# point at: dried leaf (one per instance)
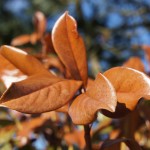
(40, 23)
(89, 83)
(20, 59)
(28, 126)
(70, 47)
(54, 62)
(64, 108)
(130, 85)
(76, 137)
(24, 129)
(39, 94)
(101, 95)
(21, 40)
(9, 73)
(47, 45)
(135, 63)
(34, 38)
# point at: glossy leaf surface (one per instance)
(70, 47)
(21, 60)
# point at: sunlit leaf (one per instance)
(9, 73)
(70, 47)
(101, 95)
(135, 63)
(40, 23)
(39, 93)
(21, 60)
(90, 83)
(21, 40)
(130, 85)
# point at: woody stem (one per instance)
(87, 137)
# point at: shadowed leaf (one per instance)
(54, 62)
(108, 145)
(39, 93)
(20, 59)
(70, 47)
(47, 45)
(101, 95)
(130, 85)
(64, 108)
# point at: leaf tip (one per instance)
(6, 49)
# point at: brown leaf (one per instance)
(40, 23)
(130, 85)
(39, 93)
(21, 40)
(20, 59)
(47, 45)
(34, 38)
(135, 63)
(9, 73)
(101, 95)
(64, 108)
(70, 47)
(28, 126)
(76, 137)
(89, 83)
(54, 62)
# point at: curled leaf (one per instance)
(101, 95)
(70, 47)
(130, 86)
(39, 93)
(20, 59)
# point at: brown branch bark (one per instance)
(87, 137)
